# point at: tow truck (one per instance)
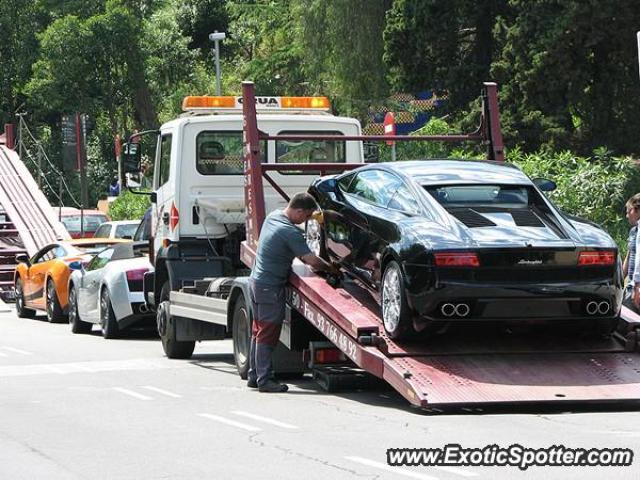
(340, 324)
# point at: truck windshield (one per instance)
(220, 153)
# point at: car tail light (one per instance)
(453, 259)
(601, 257)
(138, 274)
(174, 217)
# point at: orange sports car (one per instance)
(41, 282)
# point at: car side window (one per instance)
(43, 256)
(103, 231)
(100, 260)
(59, 252)
(404, 201)
(345, 181)
(375, 186)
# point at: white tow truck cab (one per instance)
(198, 218)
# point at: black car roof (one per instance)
(438, 172)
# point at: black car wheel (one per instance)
(396, 315)
(314, 234)
(54, 310)
(108, 320)
(77, 325)
(21, 310)
(241, 337)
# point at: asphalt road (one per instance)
(81, 407)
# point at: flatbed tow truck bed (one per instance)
(471, 366)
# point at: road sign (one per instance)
(389, 126)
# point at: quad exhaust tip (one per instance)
(459, 310)
(601, 308)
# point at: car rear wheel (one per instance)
(54, 310)
(108, 320)
(241, 337)
(396, 315)
(21, 310)
(77, 325)
(172, 347)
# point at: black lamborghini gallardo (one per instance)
(449, 240)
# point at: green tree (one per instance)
(568, 71)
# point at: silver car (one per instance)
(108, 290)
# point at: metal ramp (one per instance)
(27, 220)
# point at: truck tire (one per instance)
(21, 310)
(241, 331)
(167, 329)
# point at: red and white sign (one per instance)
(389, 126)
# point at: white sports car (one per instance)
(108, 291)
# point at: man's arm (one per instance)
(318, 263)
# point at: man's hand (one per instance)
(318, 264)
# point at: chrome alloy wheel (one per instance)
(73, 308)
(313, 234)
(391, 300)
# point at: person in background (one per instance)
(114, 187)
(631, 265)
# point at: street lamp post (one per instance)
(216, 37)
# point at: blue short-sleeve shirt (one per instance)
(280, 242)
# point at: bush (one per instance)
(129, 206)
(595, 188)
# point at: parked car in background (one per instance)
(445, 240)
(91, 220)
(118, 229)
(108, 290)
(41, 281)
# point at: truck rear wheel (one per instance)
(172, 347)
(241, 336)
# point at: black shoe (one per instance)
(273, 387)
(252, 383)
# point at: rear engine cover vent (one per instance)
(526, 218)
(471, 218)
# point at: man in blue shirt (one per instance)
(631, 265)
(281, 241)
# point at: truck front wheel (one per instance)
(172, 347)
(241, 336)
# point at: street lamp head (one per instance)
(217, 36)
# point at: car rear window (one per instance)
(126, 230)
(91, 222)
(501, 196)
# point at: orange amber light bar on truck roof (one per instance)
(262, 103)
(193, 102)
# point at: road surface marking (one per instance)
(457, 471)
(233, 423)
(264, 419)
(389, 468)
(93, 366)
(163, 392)
(132, 393)
(17, 350)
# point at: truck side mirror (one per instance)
(131, 157)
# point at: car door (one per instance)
(366, 219)
(89, 290)
(34, 285)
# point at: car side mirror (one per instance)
(77, 265)
(545, 184)
(22, 258)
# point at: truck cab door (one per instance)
(163, 225)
